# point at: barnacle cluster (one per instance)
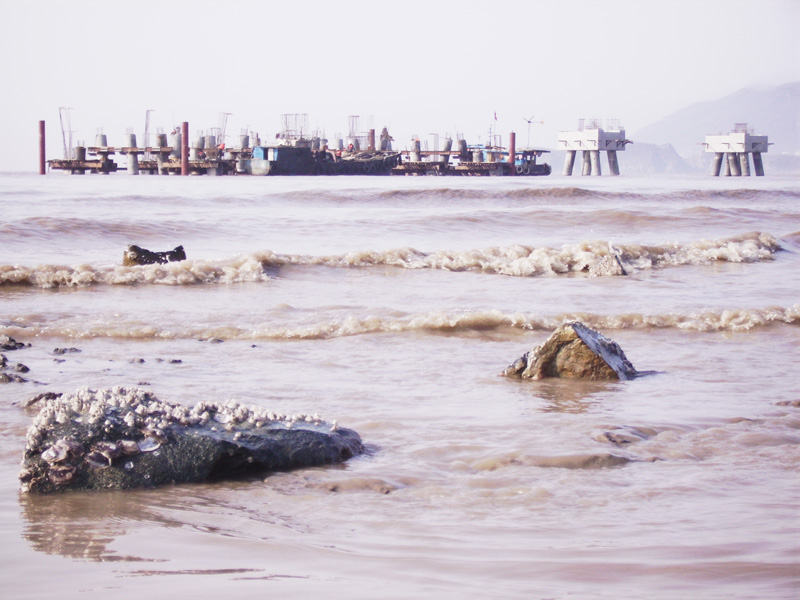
(92, 429)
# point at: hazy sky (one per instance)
(418, 67)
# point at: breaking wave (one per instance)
(593, 258)
(530, 261)
(188, 272)
(463, 323)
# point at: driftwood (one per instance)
(136, 255)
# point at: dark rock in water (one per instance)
(9, 343)
(574, 351)
(127, 438)
(10, 377)
(136, 255)
(62, 351)
(624, 436)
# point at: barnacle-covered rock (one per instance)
(127, 438)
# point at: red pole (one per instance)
(42, 162)
(512, 150)
(185, 148)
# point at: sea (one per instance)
(392, 305)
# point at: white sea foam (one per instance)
(188, 272)
(530, 261)
(516, 260)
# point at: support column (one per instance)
(613, 163)
(448, 146)
(716, 167)
(758, 165)
(42, 161)
(587, 164)
(464, 151)
(161, 142)
(185, 148)
(512, 151)
(727, 170)
(733, 163)
(595, 158)
(569, 163)
(133, 157)
(371, 141)
(744, 163)
(415, 155)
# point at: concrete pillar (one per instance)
(744, 163)
(613, 163)
(197, 145)
(416, 152)
(42, 161)
(569, 163)
(733, 163)
(177, 144)
(587, 164)
(185, 148)
(727, 170)
(477, 155)
(717, 165)
(595, 158)
(758, 165)
(371, 141)
(464, 151)
(512, 151)
(448, 145)
(133, 157)
(161, 142)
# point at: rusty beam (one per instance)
(42, 161)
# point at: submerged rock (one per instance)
(11, 377)
(608, 266)
(9, 343)
(127, 438)
(574, 351)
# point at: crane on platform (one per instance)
(63, 115)
(529, 121)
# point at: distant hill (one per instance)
(772, 111)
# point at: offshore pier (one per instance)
(591, 139)
(297, 151)
(739, 145)
(294, 152)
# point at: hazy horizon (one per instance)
(419, 68)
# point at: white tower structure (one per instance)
(592, 139)
(738, 145)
